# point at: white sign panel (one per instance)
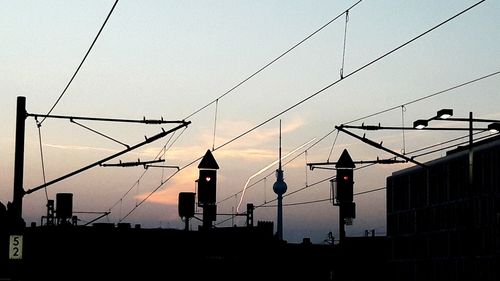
(16, 247)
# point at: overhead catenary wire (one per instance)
(345, 39)
(272, 61)
(333, 145)
(215, 122)
(284, 164)
(266, 203)
(427, 97)
(99, 133)
(441, 143)
(81, 63)
(39, 125)
(368, 165)
(348, 75)
(378, 113)
(265, 177)
(450, 146)
(324, 200)
(449, 89)
(322, 90)
(403, 110)
(164, 148)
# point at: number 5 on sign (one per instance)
(16, 247)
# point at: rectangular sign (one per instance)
(16, 247)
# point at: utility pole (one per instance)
(471, 155)
(17, 202)
(15, 209)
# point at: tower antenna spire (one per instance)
(279, 165)
(279, 187)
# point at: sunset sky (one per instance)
(171, 58)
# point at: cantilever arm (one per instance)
(379, 146)
(148, 140)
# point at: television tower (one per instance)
(279, 187)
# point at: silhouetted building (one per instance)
(441, 225)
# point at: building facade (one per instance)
(443, 222)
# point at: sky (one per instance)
(170, 59)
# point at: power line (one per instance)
(323, 200)
(369, 191)
(263, 178)
(348, 75)
(81, 63)
(287, 162)
(266, 204)
(371, 115)
(426, 97)
(441, 143)
(38, 125)
(450, 146)
(257, 72)
(310, 96)
(345, 39)
(273, 61)
(299, 203)
(163, 150)
(408, 103)
(368, 165)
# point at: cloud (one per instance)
(168, 195)
(228, 130)
(79, 147)
(184, 181)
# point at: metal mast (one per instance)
(279, 187)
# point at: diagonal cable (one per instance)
(81, 63)
(311, 96)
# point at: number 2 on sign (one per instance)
(16, 247)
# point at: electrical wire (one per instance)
(450, 146)
(372, 190)
(215, 122)
(263, 204)
(39, 125)
(384, 111)
(426, 97)
(81, 63)
(441, 143)
(264, 178)
(162, 152)
(266, 203)
(298, 203)
(323, 200)
(348, 75)
(368, 165)
(272, 61)
(333, 145)
(305, 166)
(345, 39)
(413, 39)
(403, 110)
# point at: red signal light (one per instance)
(345, 178)
(207, 179)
